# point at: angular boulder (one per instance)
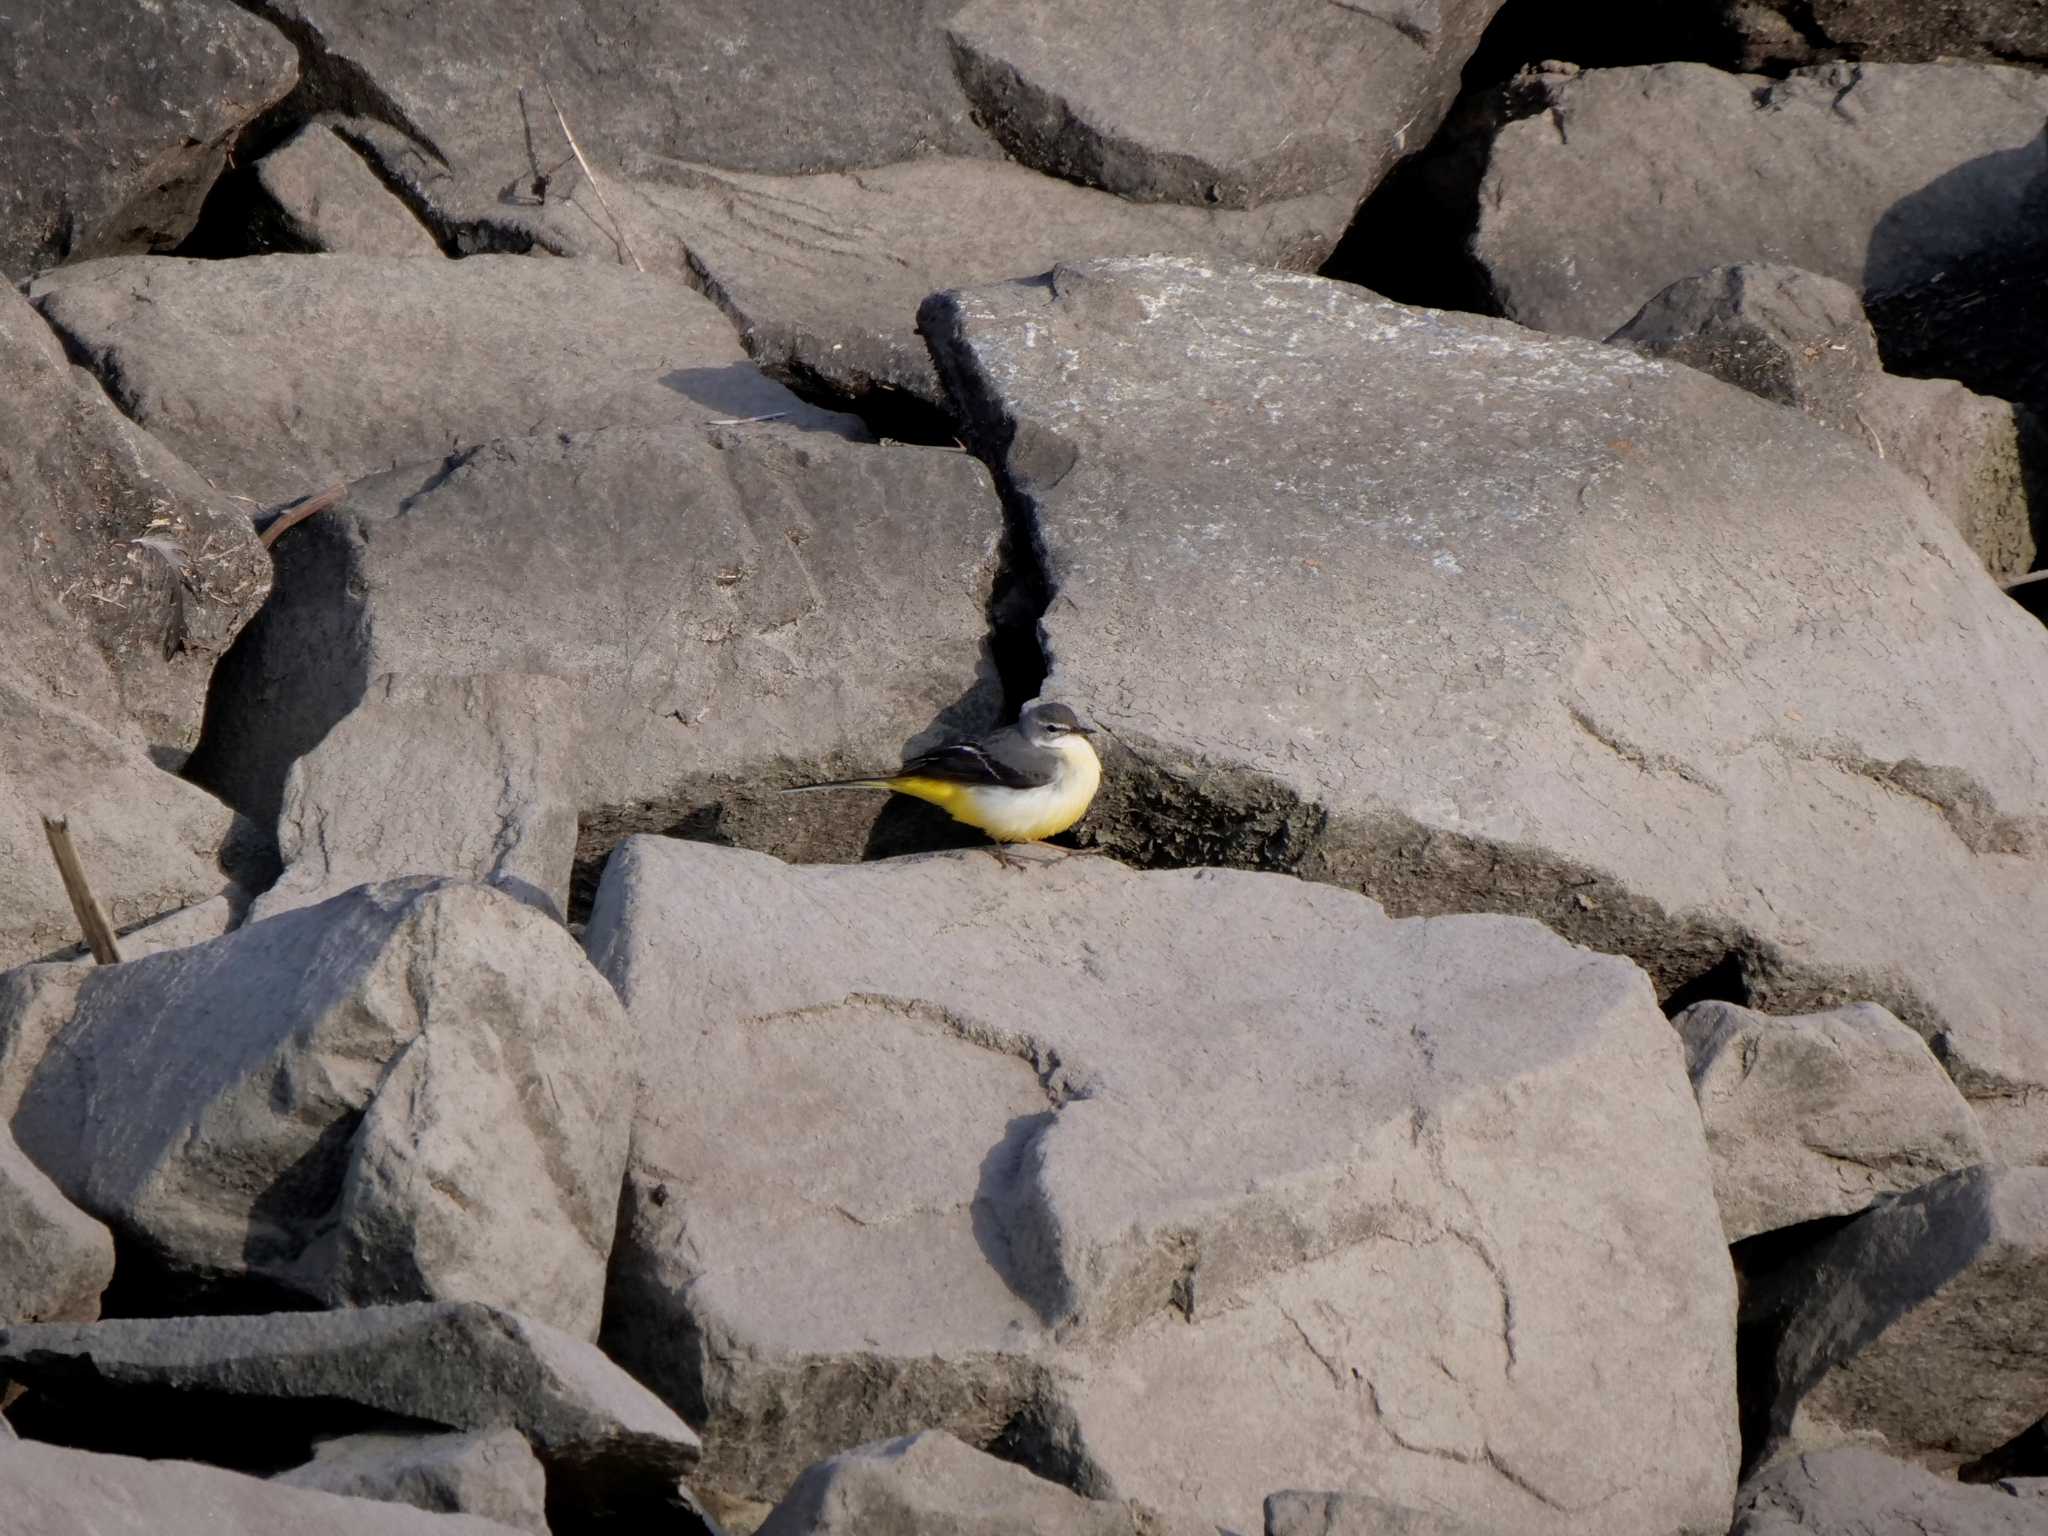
(50, 1491)
(1857, 1492)
(290, 1379)
(1921, 1329)
(1468, 618)
(323, 196)
(490, 1473)
(1802, 340)
(413, 1091)
(1180, 1186)
(1820, 1115)
(652, 626)
(54, 1259)
(117, 119)
(1262, 103)
(1920, 185)
(277, 375)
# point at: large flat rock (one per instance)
(1261, 103)
(414, 1091)
(651, 627)
(1182, 1186)
(1472, 618)
(1923, 186)
(117, 119)
(277, 375)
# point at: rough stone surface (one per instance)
(1854, 1492)
(1802, 340)
(289, 1377)
(703, 617)
(413, 1091)
(1262, 102)
(115, 120)
(328, 199)
(1787, 32)
(278, 375)
(54, 1259)
(937, 1144)
(1923, 1329)
(823, 274)
(932, 1485)
(1924, 186)
(50, 1491)
(1355, 1514)
(1820, 1115)
(453, 775)
(2024, 1487)
(1468, 617)
(490, 1473)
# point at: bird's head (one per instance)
(1050, 725)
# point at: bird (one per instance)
(1019, 783)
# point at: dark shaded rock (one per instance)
(1780, 33)
(323, 196)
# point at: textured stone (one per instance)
(1355, 1514)
(1802, 340)
(326, 198)
(1922, 1329)
(1821, 1115)
(1468, 617)
(1262, 102)
(1185, 1185)
(50, 1491)
(277, 375)
(290, 1377)
(116, 119)
(800, 608)
(490, 1473)
(1854, 1492)
(412, 1091)
(54, 1259)
(1996, 31)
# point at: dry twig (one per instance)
(92, 919)
(301, 512)
(590, 176)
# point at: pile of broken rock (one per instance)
(1558, 1043)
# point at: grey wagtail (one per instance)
(1018, 784)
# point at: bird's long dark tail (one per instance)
(797, 789)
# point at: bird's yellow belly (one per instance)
(1009, 815)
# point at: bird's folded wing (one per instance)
(966, 762)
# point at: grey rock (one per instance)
(1855, 1492)
(799, 608)
(54, 1259)
(608, 1440)
(1923, 1328)
(50, 1491)
(456, 775)
(1472, 618)
(1802, 340)
(1995, 31)
(1355, 1514)
(1185, 1184)
(1262, 102)
(490, 1473)
(117, 119)
(2024, 1487)
(327, 198)
(1820, 1115)
(932, 1485)
(1925, 186)
(278, 375)
(824, 273)
(413, 1091)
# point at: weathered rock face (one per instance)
(1923, 186)
(50, 1491)
(1262, 103)
(413, 1091)
(1355, 1514)
(932, 1485)
(1850, 1492)
(290, 1379)
(116, 119)
(325, 197)
(1183, 1186)
(1802, 340)
(490, 1473)
(653, 627)
(1923, 1329)
(1821, 1115)
(54, 1259)
(278, 375)
(1533, 625)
